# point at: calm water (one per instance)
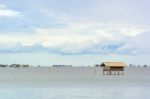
(76, 93)
(77, 83)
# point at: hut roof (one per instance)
(113, 64)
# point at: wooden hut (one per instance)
(113, 68)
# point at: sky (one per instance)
(77, 32)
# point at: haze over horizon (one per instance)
(77, 32)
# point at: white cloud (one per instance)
(78, 38)
(5, 12)
(133, 31)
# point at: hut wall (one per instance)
(116, 68)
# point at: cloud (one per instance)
(66, 49)
(73, 39)
(140, 43)
(5, 12)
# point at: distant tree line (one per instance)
(15, 65)
(131, 65)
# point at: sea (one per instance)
(73, 83)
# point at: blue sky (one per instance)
(78, 32)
